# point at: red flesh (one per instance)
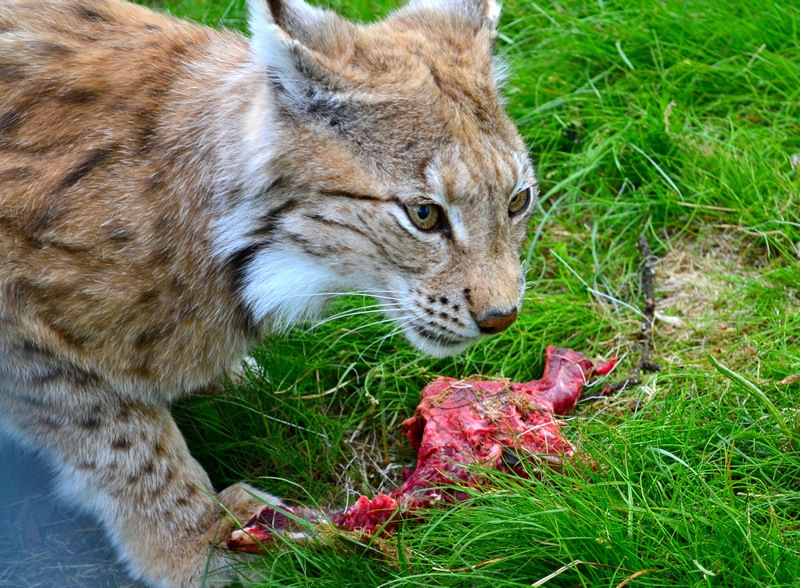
(457, 424)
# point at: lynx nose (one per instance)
(496, 322)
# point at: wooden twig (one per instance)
(620, 386)
(648, 275)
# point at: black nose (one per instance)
(496, 322)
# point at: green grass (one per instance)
(677, 119)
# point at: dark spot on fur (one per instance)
(37, 402)
(161, 488)
(120, 235)
(178, 285)
(151, 27)
(69, 337)
(308, 247)
(89, 14)
(77, 96)
(149, 467)
(456, 308)
(155, 182)
(148, 296)
(162, 256)
(9, 121)
(86, 465)
(50, 47)
(159, 450)
(39, 242)
(177, 50)
(124, 412)
(16, 173)
(146, 338)
(143, 370)
(11, 71)
(146, 124)
(443, 300)
(327, 110)
(28, 346)
(90, 423)
(87, 38)
(467, 295)
(49, 423)
(48, 216)
(191, 489)
(84, 168)
(50, 375)
(189, 492)
(121, 444)
(164, 224)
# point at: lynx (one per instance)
(169, 194)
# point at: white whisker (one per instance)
(353, 312)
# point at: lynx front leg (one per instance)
(129, 465)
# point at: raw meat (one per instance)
(458, 423)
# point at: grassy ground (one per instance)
(676, 119)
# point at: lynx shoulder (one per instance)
(170, 193)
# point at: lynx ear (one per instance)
(279, 21)
(298, 43)
(484, 13)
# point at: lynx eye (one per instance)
(519, 202)
(426, 216)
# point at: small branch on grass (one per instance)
(648, 276)
(648, 281)
(620, 386)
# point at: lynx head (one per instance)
(397, 172)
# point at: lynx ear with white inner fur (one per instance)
(294, 41)
(480, 12)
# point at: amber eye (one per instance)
(519, 202)
(426, 216)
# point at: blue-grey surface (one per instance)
(44, 543)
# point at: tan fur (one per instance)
(169, 193)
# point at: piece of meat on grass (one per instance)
(457, 425)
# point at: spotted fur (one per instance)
(171, 193)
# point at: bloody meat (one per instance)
(458, 424)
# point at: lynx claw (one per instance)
(277, 523)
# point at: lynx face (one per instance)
(411, 183)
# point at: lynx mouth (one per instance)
(437, 344)
(424, 333)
